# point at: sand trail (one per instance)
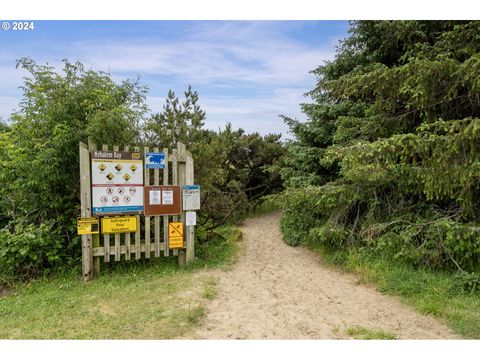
(275, 291)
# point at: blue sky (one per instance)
(246, 72)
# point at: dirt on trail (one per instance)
(275, 291)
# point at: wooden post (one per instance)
(165, 218)
(175, 182)
(190, 230)
(156, 231)
(86, 210)
(181, 167)
(96, 237)
(147, 218)
(138, 252)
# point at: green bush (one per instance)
(331, 235)
(299, 214)
(28, 251)
(391, 145)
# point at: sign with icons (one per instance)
(117, 182)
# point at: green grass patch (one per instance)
(436, 293)
(362, 333)
(220, 250)
(152, 299)
(265, 207)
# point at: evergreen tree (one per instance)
(389, 156)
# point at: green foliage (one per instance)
(28, 251)
(230, 165)
(220, 249)
(388, 160)
(39, 177)
(362, 333)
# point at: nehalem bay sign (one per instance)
(117, 182)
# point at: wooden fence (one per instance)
(112, 247)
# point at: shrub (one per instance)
(28, 251)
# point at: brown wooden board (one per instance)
(162, 200)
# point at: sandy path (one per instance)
(279, 292)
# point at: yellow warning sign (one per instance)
(126, 177)
(175, 235)
(121, 224)
(86, 226)
(118, 167)
(110, 176)
(102, 166)
(133, 167)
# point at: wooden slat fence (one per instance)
(178, 171)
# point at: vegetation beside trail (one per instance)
(430, 292)
(152, 299)
(361, 333)
(386, 167)
(39, 160)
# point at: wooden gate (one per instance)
(154, 242)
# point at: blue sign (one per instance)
(154, 160)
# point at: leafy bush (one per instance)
(28, 251)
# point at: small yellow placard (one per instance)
(87, 226)
(175, 235)
(120, 224)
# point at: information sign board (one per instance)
(86, 226)
(117, 182)
(162, 200)
(191, 197)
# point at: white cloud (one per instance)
(255, 52)
(246, 72)
(259, 114)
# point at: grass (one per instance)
(265, 207)
(220, 251)
(137, 300)
(435, 293)
(362, 333)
